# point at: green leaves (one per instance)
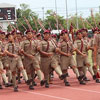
(50, 20)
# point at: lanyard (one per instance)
(81, 46)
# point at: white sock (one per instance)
(4, 78)
(24, 75)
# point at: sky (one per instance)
(83, 6)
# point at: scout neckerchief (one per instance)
(81, 45)
(35, 41)
(30, 45)
(67, 45)
(12, 47)
(0, 46)
(3, 46)
(47, 45)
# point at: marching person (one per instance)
(31, 63)
(96, 54)
(66, 57)
(13, 52)
(48, 61)
(91, 47)
(82, 60)
(86, 40)
(2, 72)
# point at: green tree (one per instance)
(25, 11)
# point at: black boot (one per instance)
(63, 76)
(86, 79)
(28, 82)
(47, 85)
(34, 83)
(7, 85)
(19, 81)
(82, 82)
(10, 84)
(1, 87)
(43, 82)
(94, 77)
(80, 77)
(16, 89)
(97, 80)
(31, 87)
(67, 83)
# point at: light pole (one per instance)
(76, 15)
(99, 9)
(67, 21)
(43, 12)
(56, 13)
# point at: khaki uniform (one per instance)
(82, 46)
(4, 59)
(48, 63)
(91, 44)
(15, 63)
(31, 65)
(56, 55)
(5, 62)
(50, 60)
(67, 47)
(82, 62)
(97, 42)
(38, 54)
(2, 67)
(29, 47)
